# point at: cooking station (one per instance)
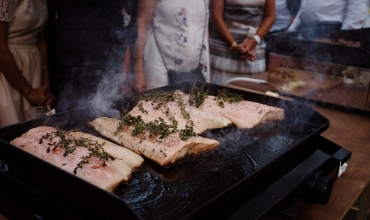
(254, 174)
(323, 65)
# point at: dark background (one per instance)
(86, 41)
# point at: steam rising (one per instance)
(107, 92)
(95, 38)
(99, 101)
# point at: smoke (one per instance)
(94, 40)
(96, 91)
(101, 102)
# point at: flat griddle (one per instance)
(187, 190)
(303, 44)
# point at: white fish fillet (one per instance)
(106, 177)
(121, 154)
(203, 120)
(162, 151)
(244, 114)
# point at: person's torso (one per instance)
(242, 17)
(323, 11)
(247, 12)
(179, 29)
(282, 15)
(29, 18)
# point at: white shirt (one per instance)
(282, 15)
(351, 13)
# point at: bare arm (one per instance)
(264, 28)
(45, 82)
(41, 44)
(217, 8)
(144, 18)
(268, 18)
(12, 73)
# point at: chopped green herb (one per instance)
(186, 133)
(226, 96)
(70, 144)
(158, 97)
(140, 105)
(159, 126)
(197, 95)
(185, 114)
(221, 104)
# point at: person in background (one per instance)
(285, 12)
(24, 77)
(367, 20)
(333, 14)
(237, 47)
(172, 37)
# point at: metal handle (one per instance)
(246, 79)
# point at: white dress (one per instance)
(181, 31)
(26, 19)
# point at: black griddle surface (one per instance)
(190, 188)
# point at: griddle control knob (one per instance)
(3, 166)
(318, 188)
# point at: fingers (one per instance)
(253, 55)
(47, 102)
(246, 50)
(36, 96)
(240, 50)
(48, 99)
(39, 96)
(50, 96)
(241, 45)
(247, 55)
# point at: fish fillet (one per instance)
(203, 120)
(244, 114)
(162, 151)
(106, 177)
(121, 154)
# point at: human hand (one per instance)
(40, 96)
(49, 97)
(246, 50)
(249, 56)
